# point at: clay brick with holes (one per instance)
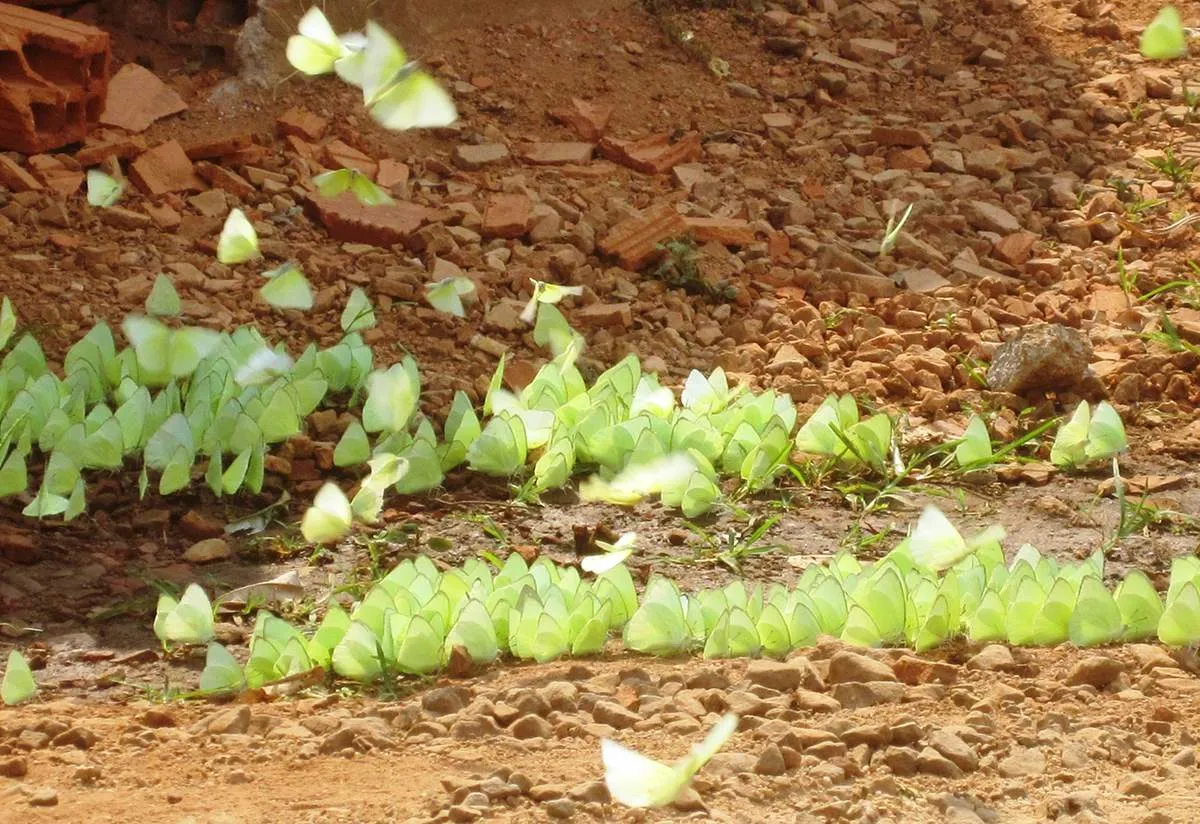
(53, 79)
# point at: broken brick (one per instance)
(778, 120)
(67, 98)
(557, 154)
(165, 168)
(301, 123)
(507, 215)
(349, 221)
(102, 146)
(652, 155)
(392, 173)
(56, 174)
(588, 120)
(724, 230)
(221, 178)
(915, 159)
(341, 155)
(164, 216)
(15, 178)
(217, 149)
(137, 98)
(1016, 248)
(605, 314)
(898, 136)
(635, 241)
(247, 156)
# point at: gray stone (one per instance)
(1044, 356)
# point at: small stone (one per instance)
(1098, 670)
(614, 715)
(1022, 762)
(560, 808)
(461, 814)
(532, 726)
(992, 658)
(1139, 787)
(851, 666)
(989, 217)
(210, 549)
(955, 749)
(44, 797)
(776, 675)
(728, 764)
(445, 700)
(860, 694)
(934, 763)
(476, 157)
(14, 767)
(771, 762)
(1043, 356)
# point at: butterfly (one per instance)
(103, 190)
(1164, 38)
(937, 545)
(287, 288)
(318, 49)
(163, 300)
(446, 295)
(637, 781)
(397, 93)
(18, 685)
(238, 241)
(329, 518)
(186, 621)
(1089, 436)
(332, 184)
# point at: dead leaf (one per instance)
(1139, 485)
(285, 587)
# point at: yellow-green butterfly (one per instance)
(186, 621)
(546, 293)
(103, 190)
(637, 781)
(163, 300)
(329, 518)
(222, 673)
(1165, 37)
(238, 242)
(398, 94)
(446, 295)
(614, 553)
(332, 184)
(359, 314)
(317, 49)
(18, 685)
(937, 545)
(287, 288)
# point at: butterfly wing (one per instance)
(414, 102)
(635, 780)
(935, 543)
(1106, 433)
(18, 685)
(238, 242)
(1164, 38)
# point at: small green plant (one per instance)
(1125, 278)
(740, 541)
(680, 269)
(1191, 99)
(1167, 335)
(1187, 292)
(1122, 186)
(1176, 169)
(1137, 208)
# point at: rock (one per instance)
(934, 763)
(349, 221)
(137, 97)
(445, 700)
(210, 549)
(14, 767)
(726, 765)
(1098, 670)
(614, 715)
(859, 694)
(771, 762)
(1043, 356)
(44, 797)
(165, 168)
(777, 675)
(563, 808)
(231, 721)
(507, 215)
(989, 217)
(532, 726)
(992, 658)
(955, 749)
(848, 666)
(1139, 787)
(1022, 762)
(460, 813)
(476, 157)
(196, 525)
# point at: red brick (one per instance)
(136, 98)
(56, 174)
(165, 168)
(301, 147)
(605, 314)
(899, 136)
(652, 155)
(104, 145)
(251, 155)
(217, 149)
(15, 178)
(76, 57)
(588, 120)
(914, 159)
(349, 221)
(340, 155)
(634, 242)
(724, 230)
(557, 154)
(1015, 249)
(507, 215)
(391, 173)
(221, 178)
(164, 216)
(301, 123)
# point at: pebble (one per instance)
(847, 667)
(207, 550)
(1097, 670)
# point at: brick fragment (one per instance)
(55, 174)
(634, 242)
(392, 173)
(557, 154)
(652, 155)
(219, 148)
(301, 123)
(221, 178)
(1015, 249)
(507, 215)
(137, 98)
(165, 168)
(899, 136)
(103, 145)
(347, 220)
(914, 159)
(341, 155)
(586, 119)
(724, 230)
(14, 178)
(605, 314)
(53, 79)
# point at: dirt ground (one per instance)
(1031, 106)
